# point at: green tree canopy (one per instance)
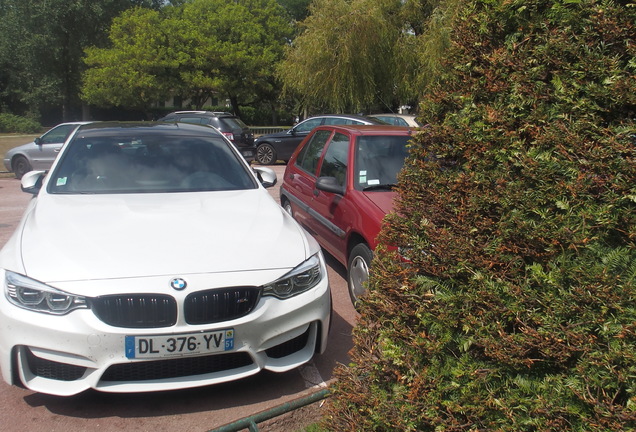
(352, 55)
(298, 9)
(203, 48)
(41, 46)
(515, 308)
(137, 69)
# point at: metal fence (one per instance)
(262, 130)
(250, 422)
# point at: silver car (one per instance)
(41, 152)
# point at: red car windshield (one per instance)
(378, 161)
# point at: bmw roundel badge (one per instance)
(178, 284)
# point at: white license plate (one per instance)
(146, 347)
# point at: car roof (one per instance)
(72, 123)
(346, 116)
(203, 113)
(393, 115)
(370, 129)
(147, 128)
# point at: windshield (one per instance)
(378, 161)
(148, 164)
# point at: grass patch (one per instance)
(8, 141)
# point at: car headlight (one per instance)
(302, 278)
(36, 296)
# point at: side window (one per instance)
(308, 126)
(340, 121)
(391, 120)
(310, 154)
(57, 135)
(194, 120)
(335, 121)
(336, 159)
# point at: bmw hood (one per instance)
(82, 237)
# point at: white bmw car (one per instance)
(152, 258)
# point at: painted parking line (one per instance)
(312, 377)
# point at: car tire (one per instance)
(287, 207)
(358, 271)
(20, 166)
(265, 154)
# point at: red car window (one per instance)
(336, 159)
(310, 155)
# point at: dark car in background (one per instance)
(232, 127)
(281, 145)
(339, 186)
(41, 152)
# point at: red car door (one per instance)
(300, 177)
(329, 210)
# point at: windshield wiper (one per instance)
(387, 186)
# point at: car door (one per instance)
(286, 145)
(330, 213)
(300, 178)
(49, 145)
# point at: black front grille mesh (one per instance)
(159, 310)
(175, 368)
(136, 310)
(289, 347)
(218, 305)
(53, 370)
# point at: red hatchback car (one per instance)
(339, 185)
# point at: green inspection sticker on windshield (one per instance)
(61, 181)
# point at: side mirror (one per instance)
(31, 182)
(266, 176)
(37, 141)
(291, 131)
(330, 184)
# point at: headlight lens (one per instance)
(36, 296)
(302, 278)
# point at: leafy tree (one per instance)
(138, 69)
(517, 212)
(41, 46)
(298, 9)
(356, 54)
(203, 48)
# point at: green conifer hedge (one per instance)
(516, 309)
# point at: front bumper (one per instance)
(66, 355)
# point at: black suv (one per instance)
(228, 124)
(281, 145)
